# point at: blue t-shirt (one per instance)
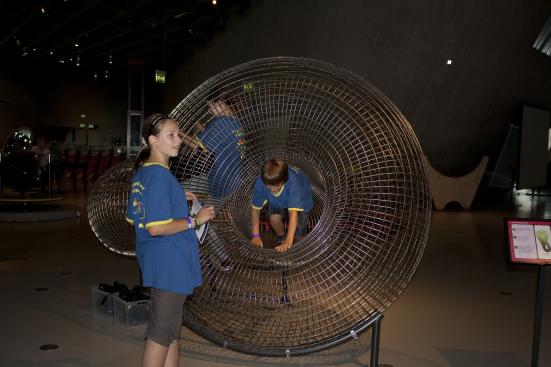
(295, 194)
(168, 262)
(223, 139)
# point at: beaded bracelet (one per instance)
(256, 235)
(189, 221)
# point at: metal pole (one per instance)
(375, 337)
(49, 175)
(1, 182)
(538, 316)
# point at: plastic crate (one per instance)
(131, 313)
(102, 302)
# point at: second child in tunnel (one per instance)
(288, 193)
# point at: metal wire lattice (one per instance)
(368, 227)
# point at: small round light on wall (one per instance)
(449, 62)
(214, 2)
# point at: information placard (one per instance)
(529, 240)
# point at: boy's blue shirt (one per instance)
(168, 262)
(223, 139)
(296, 193)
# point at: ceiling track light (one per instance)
(110, 59)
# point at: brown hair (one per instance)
(275, 171)
(151, 126)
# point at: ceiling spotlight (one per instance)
(43, 10)
(78, 60)
(449, 62)
(62, 61)
(76, 44)
(95, 76)
(110, 59)
(51, 52)
(106, 74)
(24, 51)
(213, 2)
(71, 59)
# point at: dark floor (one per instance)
(464, 307)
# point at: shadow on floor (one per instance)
(63, 362)
(481, 358)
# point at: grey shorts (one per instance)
(302, 225)
(165, 320)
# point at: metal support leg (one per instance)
(538, 316)
(375, 337)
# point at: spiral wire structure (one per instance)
(367, 230)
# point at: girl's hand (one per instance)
(257, 241)
(191, 196)
(286, 245)
(204, 215)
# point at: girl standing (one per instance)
(166, 244)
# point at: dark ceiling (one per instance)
(96, 35)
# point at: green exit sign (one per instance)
(160, 76)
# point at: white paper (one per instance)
(524, 241)
(203, 229)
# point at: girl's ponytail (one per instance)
(141, 157)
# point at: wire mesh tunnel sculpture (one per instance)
(368, 227)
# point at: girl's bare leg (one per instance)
(154, 354)
(173, 356)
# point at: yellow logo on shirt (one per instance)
(137, 205)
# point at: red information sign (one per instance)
(529, 240)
